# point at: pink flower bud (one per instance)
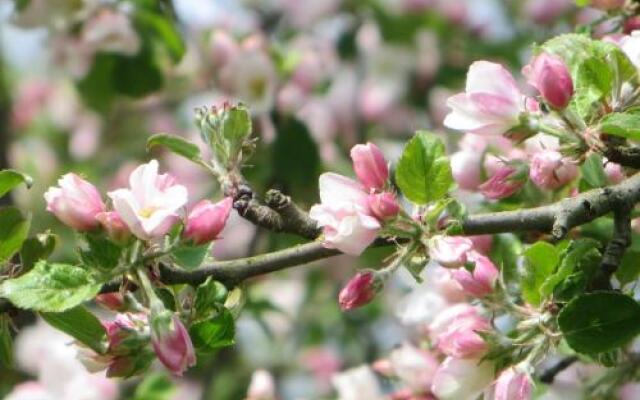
(631, 24)
(76, 202)
(449, 251)
(360, 290)
(454, 331)
(549, 74)
(614, 172)
(383, 205)
(111, 301)
(550, 170)
(115, 227)
(607, 5)
(481, 281)
(206, 220)
(482, 243)
(505, 182)
(171, 342)
(370, 166)
(512, 385)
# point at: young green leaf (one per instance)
(81, 325)
(213, 334)
(9, 179)
(541, 260)
(176, 144)
(600, 322)
(50, 287)
(210, 297)
(164, 31)
(191, 257)
(626, 125)
(100, 253)
(155, 387)
(15, 228)
(37, 248)
(6, 342)
(593, 173)
(423, 172)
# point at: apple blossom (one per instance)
(465, 168)
(262, 386)
(370, 166)
(75, 202)
(415, 367)
(550, 170)
(503, 183)
(344, 214)
(449, 251)
(462, 379)
(383, 205)
(115, 227)
(171, 342)
(454, 331)
(360, 290)
(357, 384)
(151, 205)
(491, 103)
(549, 74)
(512, 385)
(206, 220)
(481, 280)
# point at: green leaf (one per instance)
(164, 30)
(213, 334)
(176, 144)
(81, 325)
(9, 179)
(629, 267)
(423, 172)
(136, 76)
(583, 3)
(6, 342)
(191, 257)
(592, 83)
(50, 287)
(541, 260)
(37, 248)
(593, 172)
(155, 387)
(210, 297)
(599, 322)
(15, 228)
(100, 253)
(96, 87)
(626, 125)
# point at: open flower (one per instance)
(344, 214)
(491, 103)
(150, 206)
(450, 251)
(75, 202)
(481, 280)
(550, 170)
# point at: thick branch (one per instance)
(628, 156)
(612, 257)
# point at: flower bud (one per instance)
(115, 227)
(111, 301)
(171, 342)
(207, 220)
(549, 74)
(480, 281)
(455, 331)
(513, 385)
(383, 205)
(76, 202)
(360, 290)
(449, 251)
(506, 181)
(226, 130)
(550, 170)
(614, 172)
(370, 166)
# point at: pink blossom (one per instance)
(482, 243)
(360, 290)
(370, 166)
(383, 205)
(454, 331)
(223, 47)
(629, 391)
(171, 342)
(502, 184)
(449, 251)
(550, 170)
(546, 11)
(614, 172)
(76, 202)
(465, 167)
(462, 379)
(549, 74)
(115, 227)
(207, 220)
(344, 214)
(491, 103)
(262, 386)
(481, 281)
(513, 385)
(111, 301)
(415, 367)
(151, 204)
(111, 31)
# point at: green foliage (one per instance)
(218, 332)
(629, 267)
(100, 253)
(190, 256)
(599, 322)
(163, 30)
(136, 76)
(9, 179)
(6, 342)
(176, 144)
(593, 175)
(50, 287)
(155, 387)
(15, 228)
(423, 172)
(37, 248)
(626, 125)
(541, 260)
(578, 265)
(81, 325)
(210, 295)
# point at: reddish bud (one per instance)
(506, 181)
(383, 205)
(207, 220)
(549, 74)
(370, 166)
(360, 290)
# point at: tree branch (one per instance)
(547, 376)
